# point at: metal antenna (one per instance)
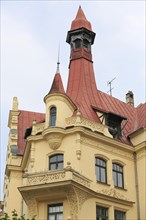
(58, 59)
(109, 83)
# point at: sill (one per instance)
(120, 188)
(103, 183)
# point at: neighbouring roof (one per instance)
(25, 120)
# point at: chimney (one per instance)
(130, 98)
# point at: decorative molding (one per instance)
(37, 128)
(78, 153)
(73, 202)
(76, 198)
(81, 180)
(32, 205)
(83, 122)
(54, 138)
(82, 197)
(113, 193)
(108, 149)
(45, 178)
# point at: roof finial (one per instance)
(58, 59)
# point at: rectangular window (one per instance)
(101, 213)
(119, 215)
(55, 212)
(118, 175)
(100, 168)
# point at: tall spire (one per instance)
(81, 87)
(58, 63)
(57, 85)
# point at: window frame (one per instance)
(117, 174)
(56, 162)
(55, 213)
(101, 216)
(100, 168)
(52, 121)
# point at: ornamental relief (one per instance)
(112, 193)
(73, 202)
(31, 205)
(76, 198)
(78, 120)
(38, 128)
(46, 178)
(81, 180)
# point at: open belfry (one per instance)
(85, 157)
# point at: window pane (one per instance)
(101, 213)
(53, 159)
(120, 181)
(52, 166)
(114, 178)
(60, 158)
(97, 173)
(59, 217)
(103, 175)
(119, 215)
(51, 217)
(60, 166)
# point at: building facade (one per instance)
(85, 157)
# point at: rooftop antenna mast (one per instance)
(109, 83)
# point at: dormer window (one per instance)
(113, 121)
(52, 116)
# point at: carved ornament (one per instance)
(113, 193)
(83, 122)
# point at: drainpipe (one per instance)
(136, 185)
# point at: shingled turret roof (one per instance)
(80, 21)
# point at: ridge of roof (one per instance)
(80, 21)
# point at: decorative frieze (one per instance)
(45, 178)
(113, 193)
(83, 122)
(81, 180)
(37, 128)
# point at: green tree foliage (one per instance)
(15, 217)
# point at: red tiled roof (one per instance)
(82, 90)
(57, 85)
(25, 120)
(80, 21)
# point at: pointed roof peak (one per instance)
(80, 21)
(80, 14)
(57, 85)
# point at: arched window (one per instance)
(100, 167)
(118, 175)
(56, 162)
(52, 116)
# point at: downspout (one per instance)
(136, 185)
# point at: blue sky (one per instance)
(31, 32)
